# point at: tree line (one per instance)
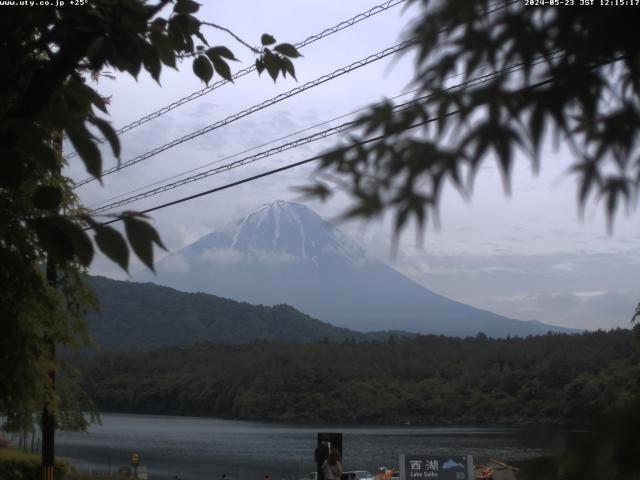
(423, 380)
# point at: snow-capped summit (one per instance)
(285, 253)
(293, 229)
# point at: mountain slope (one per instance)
(141, 316)
(286, 253)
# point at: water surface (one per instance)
(204, 448)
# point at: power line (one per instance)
(267, 103)
(493, 8)
(229, 166)
(283, 96)
(343, 149)
(237, 154)
(303, 162)
(270, 172)
(241, 73)
(294, 144)
(311, 138)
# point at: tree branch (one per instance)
(209, 24)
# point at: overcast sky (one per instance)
(528, 256)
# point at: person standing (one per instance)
(332, 466)
(320, 454)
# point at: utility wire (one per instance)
(342, 71)
(237, 154)
(241, 73)
(493, 8)
(270, 172)
(541, 83)
(303, 162)
(229, 166)
(267, 103)
(317, 157)
(296, 143)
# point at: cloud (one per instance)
(564, 267)
(175, 264)
(221, 257)
(588, 310)
(582, 290)
(501, 268)
(590, 294)
(229, 256)
(273, 258)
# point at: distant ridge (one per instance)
(138, 316)
(285, 253)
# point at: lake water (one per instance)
(204, 448)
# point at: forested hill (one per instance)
(143, 315)
(426, 380)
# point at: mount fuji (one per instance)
(285, 253)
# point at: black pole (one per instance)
(48, 415)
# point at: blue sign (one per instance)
(426, 467)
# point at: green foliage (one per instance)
(47, 56)
(267, 40)
(143, 316)
(110, 241)
(608, 449)
(18, 465)
(203, 68)
(276, 61)
(559, 379)
(213, 60)
(35, 316)
(561, 72)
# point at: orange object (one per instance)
(486, 473)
